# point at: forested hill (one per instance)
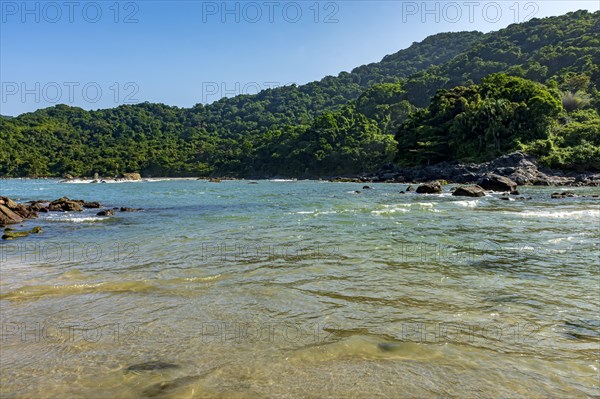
(532, 86)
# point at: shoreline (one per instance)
(519, 167)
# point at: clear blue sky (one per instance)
(185, 52)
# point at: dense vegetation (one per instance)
(465, 96)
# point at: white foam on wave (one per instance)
(560, 239)
(388, 209)
(467, 204)
(83, 219)
(316, 213)
(578, 214)
(425, 204)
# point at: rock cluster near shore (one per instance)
(518, 167)
(12, 212)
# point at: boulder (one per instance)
(132, 176)
(7, 216)
(410, 188)
(8, 202)
(71, 206)
(430, 188)
(24, 211)
(66, 205)
(38, 207)
(12, 212)
(107, 212)
(499, 183)
(367, 188)
(564, 194)
(469, 191)
(60, 201)
(91, 205)
(125, 209)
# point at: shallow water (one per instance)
(301, 289)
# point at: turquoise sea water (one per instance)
(301, 289)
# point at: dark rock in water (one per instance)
(38, 207)
(410, 188)
(91, 205)
(357, 192)
(402, 192)
(515, 192)
(125, 209)
(166, 387)
(71, 206)
(66, 205)
(430, 188)
(469, 191)
(564, 194)
(506, 199)
(494, 182)
(11, 235)
(107, 212)
(153, 365)
(60, 200)
(36, 230)
(367, 188)
(253, 182)
(388, 346)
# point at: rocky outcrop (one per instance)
(564, 194)
(131, 176)
(521, 168)
(469, 191)
(65, 204)
(430, 188)
(499, 183)
(13, 213)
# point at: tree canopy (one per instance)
(454, 96)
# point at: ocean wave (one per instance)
(81, 181)
(83, 219)
(109, 287)
(578, 214)
(467, 204)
